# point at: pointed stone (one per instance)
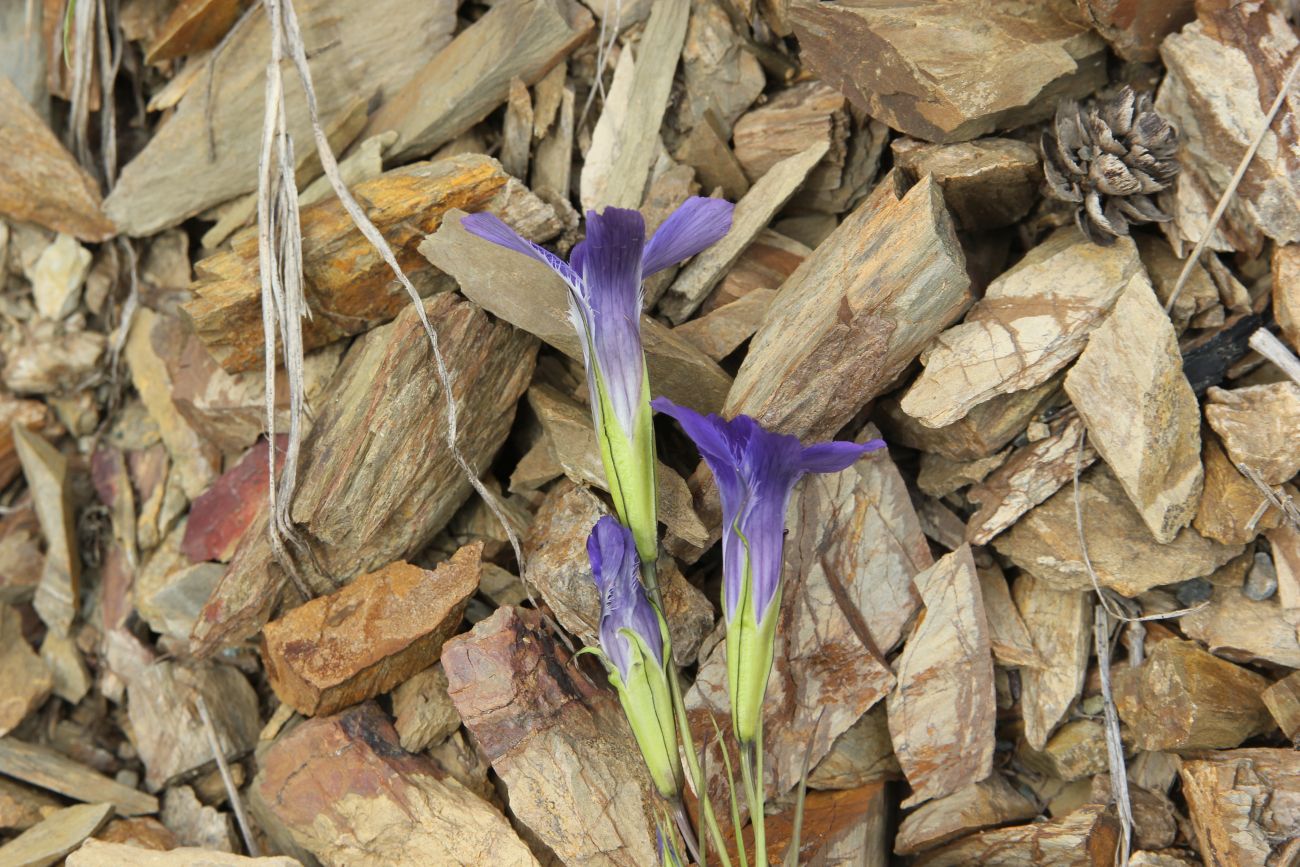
(1060, 624)
(981, 805)
(1259, 426)
(25, 681)
(60, 833)
(46, 469)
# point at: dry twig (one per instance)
(232, 791)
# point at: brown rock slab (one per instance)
(721, 75)
(1283, 701)
(194, 823)
(71, 677)
(999, 66)
(537, 716)
(167, 729)
(844, 827)
(22, 807)
(366, 638)
(349, 794)
(1086, 837)
(40, 182)
(1199, 296)
(192, 26)
(1135, 28)
(1286, 291)
(31, 414)
(1184, 698)
(373, 487)
(532, 297)
(423, 712)
(863, 754)
(1129, 387)
(989, 183)
(1075, 751)
(1240, 629)
(1008, 636)
(96, 853)
(1125, 557)
(25, 681)
(855, 314)
(1259, 426)
(792, 122)
(60, 833)
(143, 832)
(46, 471)
(942, 711)
(1244, 804)
(219, 517)
(1222, 73)
(1060, 624)
(349, 288)
(555, 549)
(1033, 320)
(51, 358)
(357, 50)
(986, 804)
(49, 769)
(1229, 500)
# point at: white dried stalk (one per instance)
(1114, 746)
(232, 791)
(110, 59)
(82, 66)
(603, 50)
(1266, 344)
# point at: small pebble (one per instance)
(1261, 580)
(1193, 592)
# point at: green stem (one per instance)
(693, 766)
(751, 770)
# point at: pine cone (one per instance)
(1110, 159)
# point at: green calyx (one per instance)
(750, 648)
(630, 467)
(647, 703)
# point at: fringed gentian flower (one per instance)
(634, 645)
(756, 471)
(604, 275)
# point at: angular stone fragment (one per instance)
(348, 286)
(465, 81)
(192, 26)
(1086, 837)
(1008, 636)
(1135, 28)
(71, 678)
(983, 431)
(220, 516)
(96, 853)
(988, 183)
(58, 276)
(792, 122)
(1244, 804)
(1075, 751)
(864, 754)
(350, 795)
(537, 716)
(369, 636)
(555, 549)
(1032, 321)
(40, 182)
(1259, 426)
(855, 314)
(721, 75)
(1059, 622)
(942, 711)
(194, 823)
(25, 681)
(1283, 701)
(22, 807)
(981, 805)
(1125, 557)
(423, 712)
(999, 64)
(1223, 73)
(719, 333)
(52, 358)
(61, 832)
(1229, 500)
(376, 481)
(1286, 292)
(532, 297)
(1199, 296)
(31, 414)
(358, 49)
(46, 470)
(844, 827)
(1183, 698)
(49, 769)
(1238, 628)
(1129, 387)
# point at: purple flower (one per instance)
(604, 276)
(756, 471)
(623, 602)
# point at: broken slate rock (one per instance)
(1259, 426)
(989, 183)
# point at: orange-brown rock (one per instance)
(371, 635)
(193, 26)
(1283, 701)
(1087, 837)
(1244, 804)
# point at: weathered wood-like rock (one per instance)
(61, 832)
(1223, 72)
(845, 827)
(1033, 473)
(942, 711)
(1259, 426)
(46, 470)
(40, 182)
(358, 50)
(1075, 751)
(350, 795)
(219, 517)
(196, 824)
(988, 183)
(1283, 701)
(1199, 296)
(1033, 320)
(1238, 628)
(792, 122)
(848, 596)
(1286, 292)
(376, 481)
(49, 769)
(71, 678)
(31, 414)
(855, 314)
(142, 832)
(1126, 558)
(166, 725)
(1229, 500)
(1135, 28)
(1244, 804)
(423, 713)
(25, 681)
(1184, 698)
(96, 853)
(1008, 636)
(22, 807)
(556, 551)
(721, 75)
(530, 296)
(1000, 65)
(192, 26)
(348, 287)
(465, 81)
(1060, 624)
(981, 805)
(864, 754)
(538, 717)
(1087, 837)
(1129, 387)
(366, 638)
